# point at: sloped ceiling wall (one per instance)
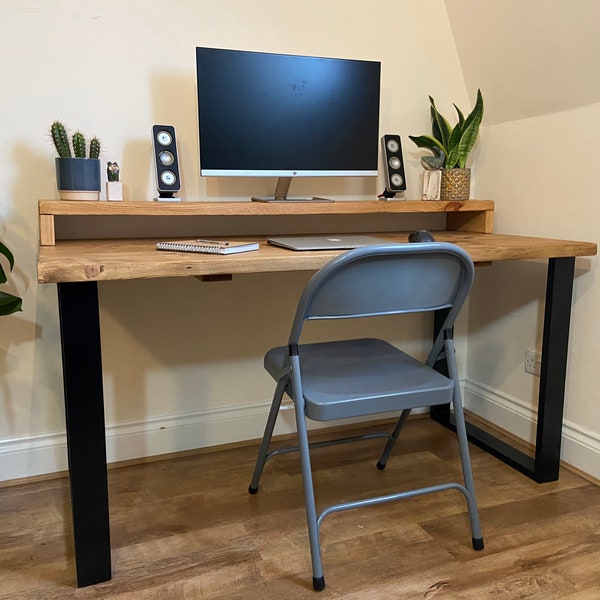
(538, 65)
(531, 57)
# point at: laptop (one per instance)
(326, 242)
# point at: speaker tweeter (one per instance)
(395, 180)
(166, 162)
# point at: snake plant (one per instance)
(450, 145)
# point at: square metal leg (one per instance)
(545, 465)
(86, 438)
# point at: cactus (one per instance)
(79, 145)
(60, 139)
(94, 147)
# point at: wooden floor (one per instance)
(187, 528)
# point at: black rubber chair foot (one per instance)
(252, 490)
(318, 584)
(478, 543)
(380, 466)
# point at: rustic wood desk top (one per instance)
(468, 224)
(105, 260)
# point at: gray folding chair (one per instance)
(351, 378)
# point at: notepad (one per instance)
(207, 246)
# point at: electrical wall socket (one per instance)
(533, 362)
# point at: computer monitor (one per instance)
(286, 116)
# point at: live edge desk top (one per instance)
(468, 224)
(77, 267)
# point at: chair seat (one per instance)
(363, 376)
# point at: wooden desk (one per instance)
(77, 267)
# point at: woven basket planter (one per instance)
(456, 184)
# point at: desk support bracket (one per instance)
(544, 466)
(86, 441)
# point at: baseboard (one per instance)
(37, 455)
(42, 454)
(33, 456)
(580, 446)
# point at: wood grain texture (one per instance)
(47, 230)
(103, 260)
(57, 207)
(186, 528)
(470, 215)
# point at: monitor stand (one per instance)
(281, 194)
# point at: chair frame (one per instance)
(289, 381)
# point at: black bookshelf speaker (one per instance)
(394, 164)
(166, 161)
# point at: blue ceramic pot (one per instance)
(78, 178)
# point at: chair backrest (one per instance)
(388, 279)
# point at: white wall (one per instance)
(182, 360)
(537, 64)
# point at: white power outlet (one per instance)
(533, 362)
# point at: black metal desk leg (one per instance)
(555, 344)
(544, 466)
(86, 438)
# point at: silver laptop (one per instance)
(326, 242)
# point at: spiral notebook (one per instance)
(207, 246)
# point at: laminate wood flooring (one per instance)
(186, 528)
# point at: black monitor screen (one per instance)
(280, 115)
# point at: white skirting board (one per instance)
(43, 454)
(580, 446)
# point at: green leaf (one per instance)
(426, 141)
(9, 304)
(440, 128)
(469, 133)
(453, 145)
(461, 117)
(9, 255)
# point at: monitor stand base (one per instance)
(281, 194)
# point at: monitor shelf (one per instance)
(468, 215)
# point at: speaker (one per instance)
(166, 162)
(394, 164)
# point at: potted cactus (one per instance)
(451, 147)
(8, 302)
(77, 168)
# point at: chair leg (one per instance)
(309, 502)
(309, 494)
(266, 440)
(390, 444)
(465, 459)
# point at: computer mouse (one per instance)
(421, 235)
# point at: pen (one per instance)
(217, 242)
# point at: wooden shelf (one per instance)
(470, 215)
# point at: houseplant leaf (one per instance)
(8, 303)
(440, 127)
(469, 134)
(9, 255)
(426, 141)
